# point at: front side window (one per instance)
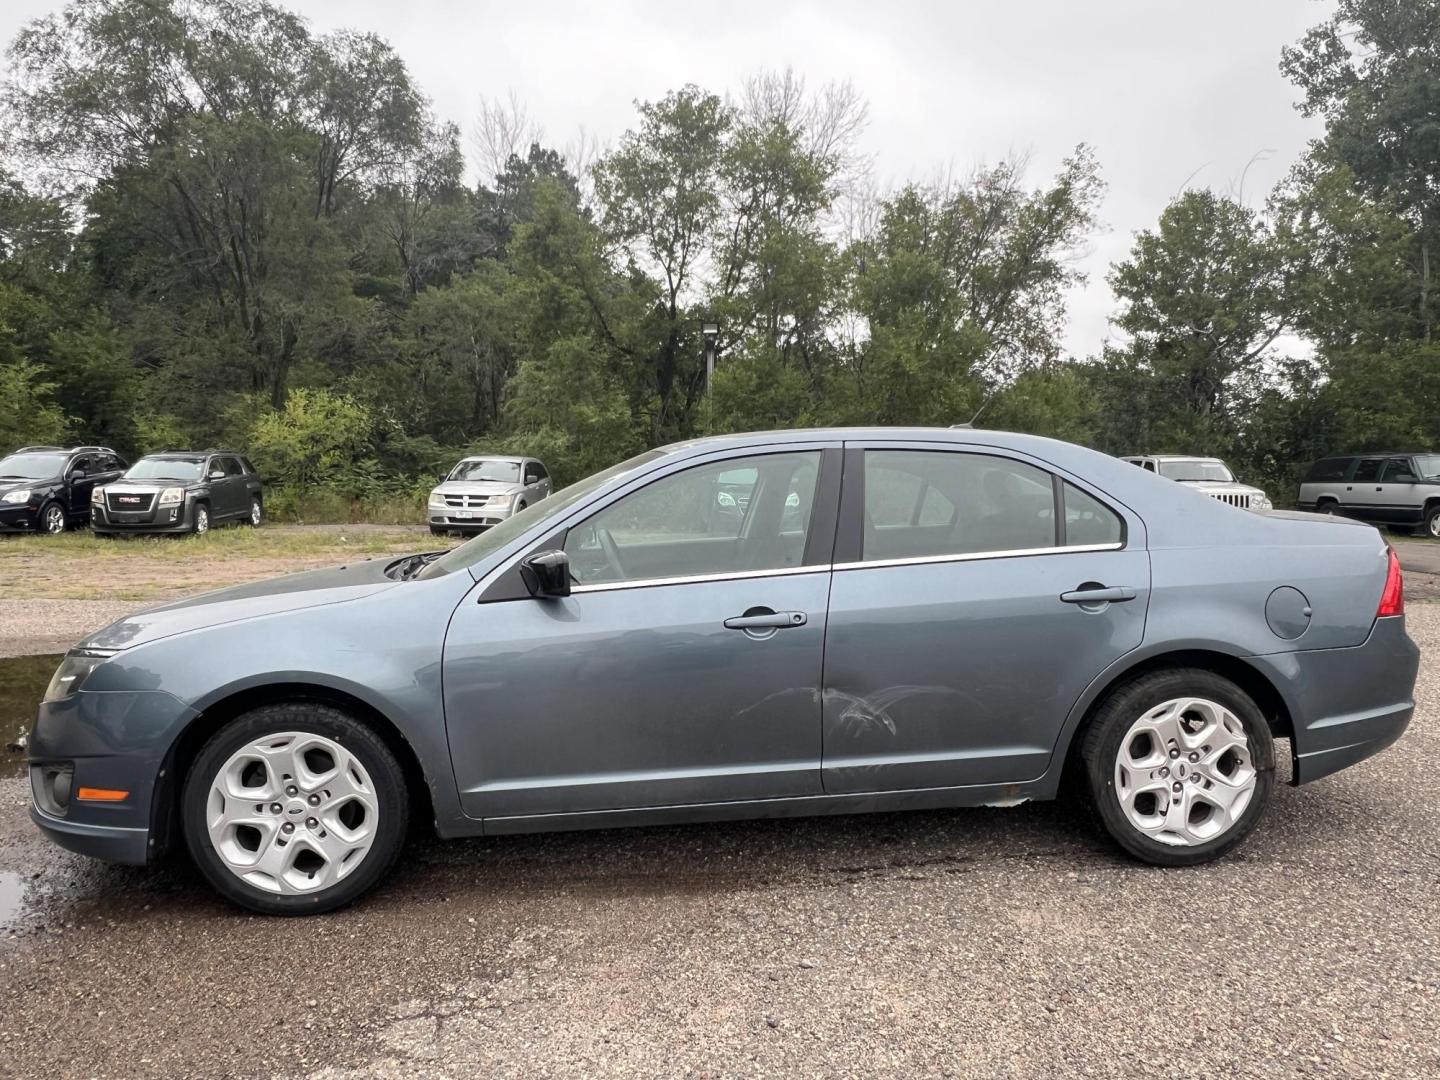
(922, 503)
(735, 516)
(1398, 471)
(500, 471)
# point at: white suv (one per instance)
(1205, 474)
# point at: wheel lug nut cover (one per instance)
(274, 807)
(1177, 785)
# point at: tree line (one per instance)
(220, 228)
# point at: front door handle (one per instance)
(765, 619)
(1114, 594)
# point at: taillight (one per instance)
(1392, 600)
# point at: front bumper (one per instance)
(480, 519)
(19, 519)
(1346, 704)
(114, 739)
(179, 518)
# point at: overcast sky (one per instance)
(1165, 90)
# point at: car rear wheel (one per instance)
(1179, 766)
(1328, 506)
(52, 519)
(294, 809)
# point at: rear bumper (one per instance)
(1346, 704)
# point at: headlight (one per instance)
(19, 495)
(74, 670)
(436, 499)
(171, 496)
(97, 496)
(1261, 502)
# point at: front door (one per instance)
(684, 668)
(985, 596)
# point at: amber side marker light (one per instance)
(101, 794)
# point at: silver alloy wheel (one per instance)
(54, 519)
(292, 813)
(1184, 774)
(255, 512)
(202, 520)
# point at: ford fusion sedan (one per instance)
(483, 491)
(885, 619)
(181, 492)
(47, 489)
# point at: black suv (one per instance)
(46, 489)
(180, 492)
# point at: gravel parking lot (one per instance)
(986, 943)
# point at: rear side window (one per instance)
(1088, 520)
(922, 503)
(1368, 470)
(1329, 470)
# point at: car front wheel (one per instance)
(1432, 522)
(202, 519)
(52, 519)
(257, 513)
(294, 809)
(1180, 766)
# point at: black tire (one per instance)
(1101, 746)
(202, 523)
(435, 530)
(386, 776)
(49, 513)
(1432, 521)
(256, 517)
(1328, 506)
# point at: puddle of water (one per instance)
(22, 684)
(12, 894)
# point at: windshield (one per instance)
(1213, 471)
(1428, 465)
(506, 472)
(493, 539)
(31, 466)
(164, 469)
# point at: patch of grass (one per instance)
(81, 566)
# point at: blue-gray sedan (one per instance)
(802, 622)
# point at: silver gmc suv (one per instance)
(1208, 475)
(1386, 489)
(484, 491)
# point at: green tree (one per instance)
(312, 437)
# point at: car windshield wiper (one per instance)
(411, 565)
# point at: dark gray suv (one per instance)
(180, 492)
(1385, 489)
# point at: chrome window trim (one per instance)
(972, 556)
(693, 579)
(785, 571)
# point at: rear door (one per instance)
(1363, 490)
(1396, 495)
(959, 633)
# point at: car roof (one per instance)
(1172, 457)
(494, 457)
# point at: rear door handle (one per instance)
(1115, 594)
(766, 620)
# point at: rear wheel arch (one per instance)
(1254, 683)
(165, 810)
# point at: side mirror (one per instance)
(217, 474)
(78, 474)
(546, 573)
(442, 477)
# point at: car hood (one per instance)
(312, 588)
(12, 485)
(479, 487)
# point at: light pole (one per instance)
(709, 334)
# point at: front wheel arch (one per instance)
(165, 807)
